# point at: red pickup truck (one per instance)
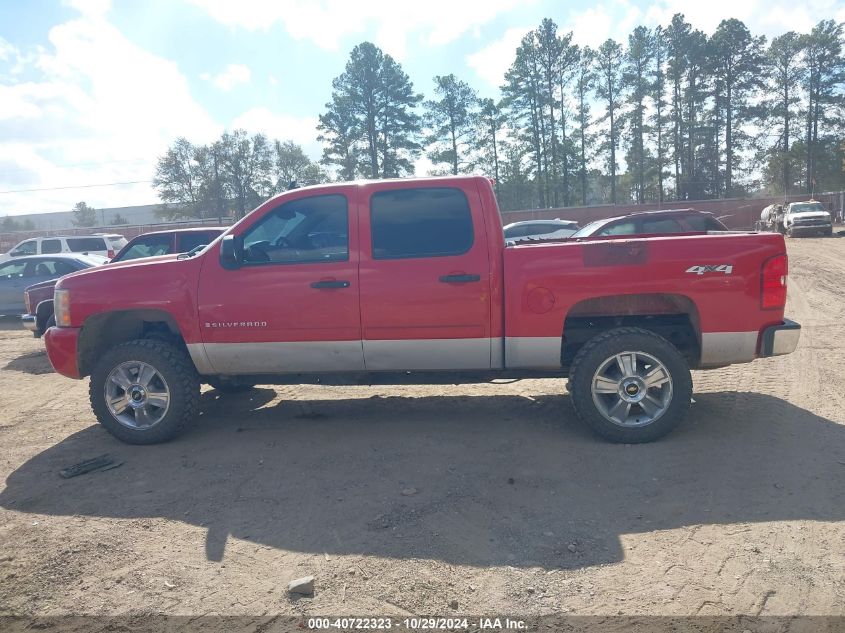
(414, 276)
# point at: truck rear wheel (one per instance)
(630, 385)
(144, 391)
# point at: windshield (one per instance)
(804, 207)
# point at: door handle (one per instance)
(459, 279)
(330, 284)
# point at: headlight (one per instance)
(61, 307)
(26, 301)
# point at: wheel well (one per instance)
(674, 317)
(43, 312)
(103, 331)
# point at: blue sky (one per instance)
(92, 91)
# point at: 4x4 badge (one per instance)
(727, 269)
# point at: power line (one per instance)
(105, 184)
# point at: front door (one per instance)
(425, 278)
(293, 304)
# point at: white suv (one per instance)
(104, 245)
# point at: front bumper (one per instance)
(780, 339)
(62, 345)
(30, 322)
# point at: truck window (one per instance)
(189, 241)
(425, 222)
(86, 244)
(146, 246)
(312, 229)
(662, 225)
(29, 247)
(49, 247)
(620, 228)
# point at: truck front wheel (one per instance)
(630, 385)
(144, 391)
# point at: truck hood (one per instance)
(42, 284)
(134, 268)
(810, 215)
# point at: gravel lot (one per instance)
(402, 500)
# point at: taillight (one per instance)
(774, 282)
(26, 301)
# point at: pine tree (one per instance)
(452, 119)
(638, 61)
(609, 89)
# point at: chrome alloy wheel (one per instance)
(137, 395)
(632, 389)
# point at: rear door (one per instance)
(425, 278)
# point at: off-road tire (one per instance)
(597, 350)
(176, 368)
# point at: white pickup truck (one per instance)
(805, 218)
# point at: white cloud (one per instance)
(300, 130)
(762, 17)
(96, 109)
(90, 7)
(230, 77)
(600, 22)
(492, 62)
(327, 22)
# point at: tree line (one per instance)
(670, 114)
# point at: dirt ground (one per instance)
(480, 499)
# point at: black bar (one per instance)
(330, 284)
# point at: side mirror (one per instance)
(232, 252)
(15, 253)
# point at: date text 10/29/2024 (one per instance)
(416, 624)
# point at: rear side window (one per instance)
(662, 225)
(543, 229)
(429, 222)
(86, 244)
(189, 241)
(703, 223)
(49, 247)
(149, 246)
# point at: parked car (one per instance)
(117, 241)
(401, 276)
(653, 223)
(167, 242)
(38, 298)
(539, 230)
(20, 273)
(102, 245)
(807, 218)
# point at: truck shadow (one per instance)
(476, 480)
